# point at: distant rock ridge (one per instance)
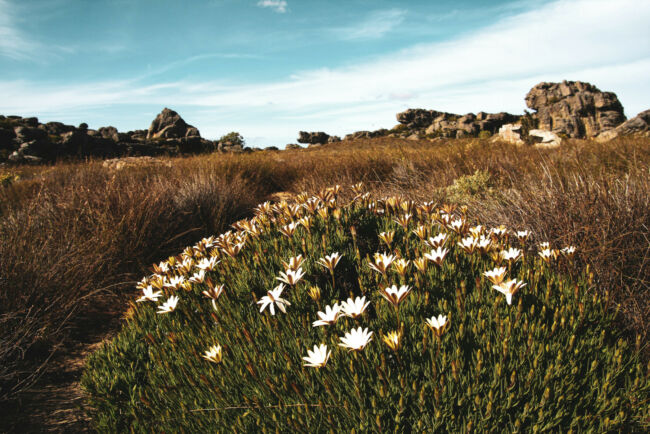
(25, 139)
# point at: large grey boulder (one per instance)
(169, 125)
(574, 108)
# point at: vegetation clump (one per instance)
(326, 314)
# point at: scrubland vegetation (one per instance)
(77, 237)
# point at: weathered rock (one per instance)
(574, 108)
(109, 133)
(640, 124)
(168, 124)
(27, 134)
(442, 124)
(543, 138)
(313, 138)
(57, 128)
(333, 139)
(510, 133)
(290, 146)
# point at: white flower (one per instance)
(272, 298)
(149, 294)
(354, 308)
(569, 251)
(437, 324)
(496, 275)
(169, 305)
(198, 277)
(294, 263)
(547, 254)
(523, 235)
(175, 282)
(382, 262)
(213, 354)
(396, 296)
(329, 317)
(512, 254)
(317, 358)
(437, 241)
(330, 262)
(356, 339)
(207, 263)
(509, 288)
(437, 255)
(291, 277)
(468, 244)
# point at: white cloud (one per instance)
(491, 70)
(375, 26)
(13, 43)
(279, 6)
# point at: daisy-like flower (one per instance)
(328, 317)
(437, 241)
(149, 295)
(273, 298)
(499, 232)
(314, 293)
(437, 325)
(387, 237)
(437, 255)
(401, 266)
(544, 245)
(207, 263)
(356, 339)
(569, 251)
(317, 358)
(162, 268)
(198, 277)
(213, 354)
(420, 264)
(496, 275)
(458, 225)
(169, 305)
(484, 244)
(394, 295)
(468, 244)
(294, 263)
(382, 262)
(476, 231)
(330, 261)
(175, 282)
(420, 232)
(512, 254)
(547, 255)
(403, 220)
(289, 229)
(354, 308)
(522, 236)
(213, 292)
(291, 277)
(393, 340)
(509, 288)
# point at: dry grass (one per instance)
(75, 237)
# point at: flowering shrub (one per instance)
(368, 315)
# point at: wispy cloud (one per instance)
(489, 70)
(13, 43)
(279, 6)
(376, 25)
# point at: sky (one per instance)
(270, 68)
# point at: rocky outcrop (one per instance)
(638, 125)
(574, 109)
(367, 134)
(169, 125)
(313, 138)
(515, 133)
(292, 146)
(26, 140)
(433, 123)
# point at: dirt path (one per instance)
(56, 402)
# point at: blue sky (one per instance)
(269, 68)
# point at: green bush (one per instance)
(550, 361)
(233, 138)
(466, 187)
(484, 134)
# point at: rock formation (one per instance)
(315, 138)
(432, 123)
(640, 124)
(169, 125)
(574, 109)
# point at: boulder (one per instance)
(57, 128)
(109, 133)
(27, 134)
(543, 138)
(290, 146)
(169, 125)
(443, 124)
(574, 108)
(640, 124)
(333, 139)
(313, 138)
(510, 133)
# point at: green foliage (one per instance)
(550, 361)
(484, 134)
(234, 138)
(7, 178)
(477, 185)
